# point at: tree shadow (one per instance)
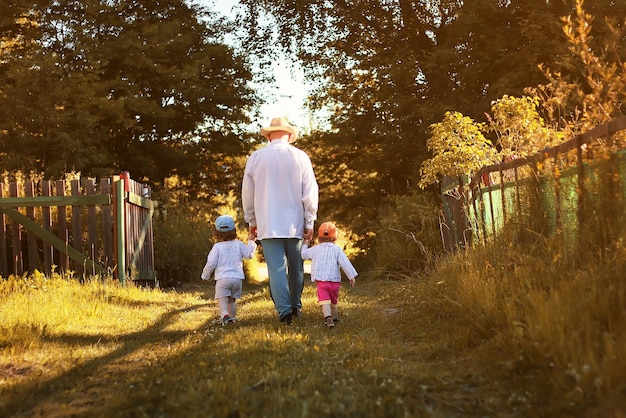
(28, 395)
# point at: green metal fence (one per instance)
(575, 191)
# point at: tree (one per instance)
(388, 70)
(103, 86)
(592, 88)
(588, 86)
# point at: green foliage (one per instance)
(101, 86)
(349, 191)
(182, 237)
(520, 130)
(403, 64)
(459, 148)
(384, 72)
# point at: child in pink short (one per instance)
(327, 261)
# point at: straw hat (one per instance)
(280, 124)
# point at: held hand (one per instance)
(308, 234)
(252, 232)
(251, 236)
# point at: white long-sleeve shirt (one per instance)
(279, 191)
(326, 260)
(226, 259)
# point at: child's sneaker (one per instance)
(227, 320)
(329, 322)
(336, 321)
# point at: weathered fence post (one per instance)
(4, 268)
(16, 234)
(119, 230)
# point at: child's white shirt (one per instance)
(226, 259)
(327, 259)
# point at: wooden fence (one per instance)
(79, 226)
(570, 190)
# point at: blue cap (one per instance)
(225, 223)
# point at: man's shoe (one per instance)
(287, 319)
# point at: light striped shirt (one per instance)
(225, 258)
(327, 259)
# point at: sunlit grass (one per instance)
(488, 333)
(87, 343)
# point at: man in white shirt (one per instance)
(280, 199)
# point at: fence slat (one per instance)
(4, 268)
(33, 257)
(63, 259)
(92, 226)
(77, 238)
(107, 225)
(46, 218)
(16, 233)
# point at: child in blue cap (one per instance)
(226, 260)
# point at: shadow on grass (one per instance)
(258, 367)
(27, 396)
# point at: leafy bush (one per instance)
(182, 239)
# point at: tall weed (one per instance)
(407, 236)
(563, 324)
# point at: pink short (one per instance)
(328, 291)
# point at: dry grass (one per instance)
(485, 335)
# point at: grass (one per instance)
(504, 333)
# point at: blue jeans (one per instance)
(286, 273)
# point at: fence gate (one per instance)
(135, 245)
(78, 226)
